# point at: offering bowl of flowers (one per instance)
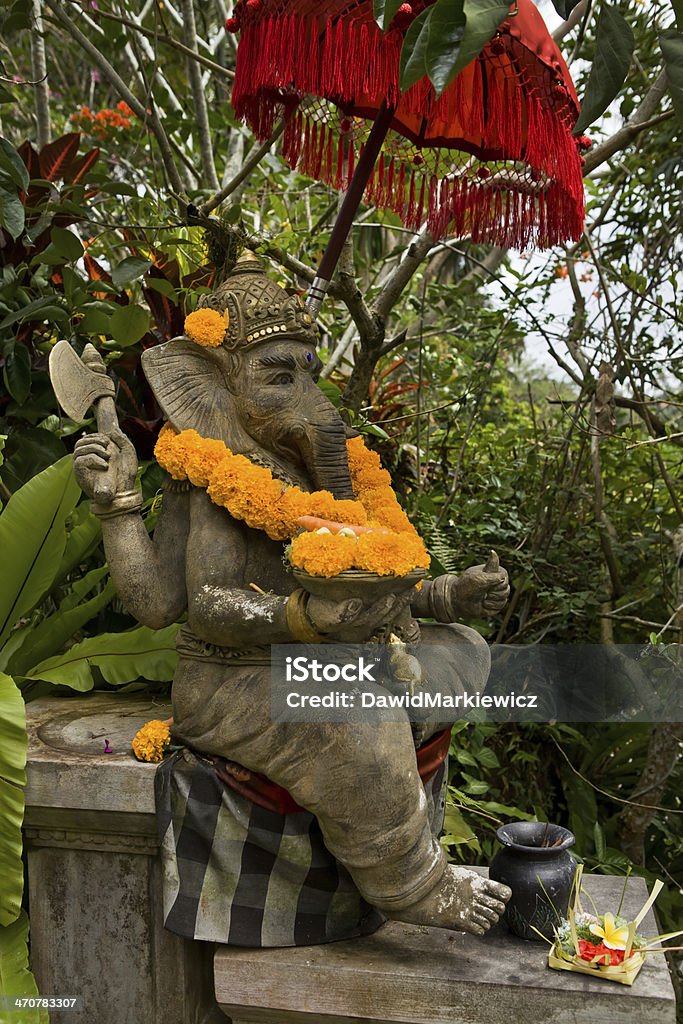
(603, 945)
(338, 561)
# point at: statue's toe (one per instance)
(497, 906)
(487, 913)
(462, 900)
(483, 922)
(498, 890)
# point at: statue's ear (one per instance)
(189, 385)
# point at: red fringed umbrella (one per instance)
(493, 157)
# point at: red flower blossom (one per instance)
(608, 957)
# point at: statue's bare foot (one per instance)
(463, 900)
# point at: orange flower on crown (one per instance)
(206, 327)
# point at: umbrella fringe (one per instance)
(503, 208)
(507, 113)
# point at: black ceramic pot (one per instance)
(536, 863)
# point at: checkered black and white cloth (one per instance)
(236, 873)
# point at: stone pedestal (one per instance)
(97, 932)
(405, 974)
(94, 875)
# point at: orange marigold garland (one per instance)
(251, 493)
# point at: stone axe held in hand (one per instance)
(79, 384)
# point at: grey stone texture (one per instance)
(419, 975)
(94, 874)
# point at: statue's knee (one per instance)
(453, 651)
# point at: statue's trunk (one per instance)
(324, 442)
(330, 466)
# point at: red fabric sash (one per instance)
(260, 790)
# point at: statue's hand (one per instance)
(352, 621)
(482, 590)
(96, 453)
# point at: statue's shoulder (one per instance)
(217, 520)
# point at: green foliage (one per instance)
(482, 20)
(385, 10)
(613, 52)
(446, 28)
(46, 599)
(12, 781)
(13, 179)
(443, 39)
(564, 7)
(33, 539)
(414, 50)
(571, 776)
(53, 285)
(15, 976)
(671, 43)
(120, 657)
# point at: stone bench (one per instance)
(97, 931)
(416, 975)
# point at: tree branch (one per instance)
(572, 21)
(160, 37)
(401, 276)
(286, 260)
(642, 119)
(151, 118)
(657, 426)
(663, 753)
(200, 108)
(133, 49)
(485, 269)
(247, 167)
(351, 294)
(39, 74)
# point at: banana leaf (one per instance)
(33, 539)
(140, 653)
(15, 976)
(37, 643)
(12, 780)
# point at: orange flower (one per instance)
(390, 554)
(104, 120)
(322, 554)
(206, 327)
(151, 741)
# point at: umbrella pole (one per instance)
(352, 199)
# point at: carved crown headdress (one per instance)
(258, 308)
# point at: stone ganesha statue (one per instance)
(256, 392)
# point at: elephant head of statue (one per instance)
(257, 390)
